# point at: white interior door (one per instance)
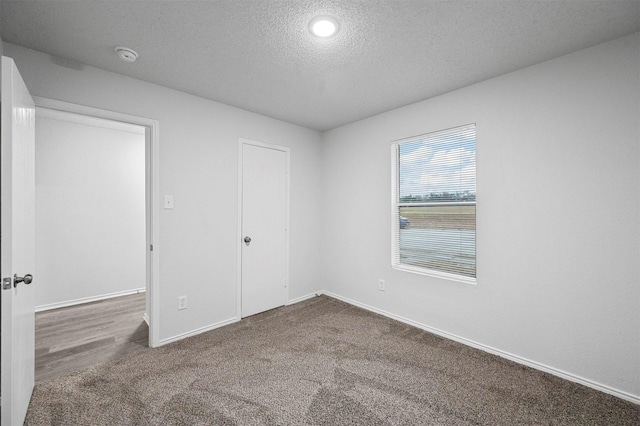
(264, 279)
(18, 231)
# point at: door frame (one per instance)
(152, 199)
(286, 150)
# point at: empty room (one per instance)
(373, 212)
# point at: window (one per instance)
(434, 204)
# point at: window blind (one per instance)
(434, 202)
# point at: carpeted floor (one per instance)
(319, 362)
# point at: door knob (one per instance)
(27, 279)
(247, 240)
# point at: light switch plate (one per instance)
(168, 202)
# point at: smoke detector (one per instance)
(126, 54)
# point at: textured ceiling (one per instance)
(259, 55)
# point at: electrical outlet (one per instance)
(381, 285)
(182, 302)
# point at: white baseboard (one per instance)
(67, 303)
(145, 317)
(301, 298)
(197, 331)
(520, 360)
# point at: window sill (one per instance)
(436, 274)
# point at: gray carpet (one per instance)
(319, 362)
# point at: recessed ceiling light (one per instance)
(323, 26)
(126, 54)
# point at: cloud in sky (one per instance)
(437, 167)
(409, 158)
(450, 158)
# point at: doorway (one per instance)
(263, 227)
(90, 241)
(90, 209)
(141, 165)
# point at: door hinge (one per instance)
(151, 247)
(6, 283)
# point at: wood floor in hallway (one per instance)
(74, 338)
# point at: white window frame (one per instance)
(395, 218)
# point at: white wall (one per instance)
(90, 208)
(558, 230)
(198, 166)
